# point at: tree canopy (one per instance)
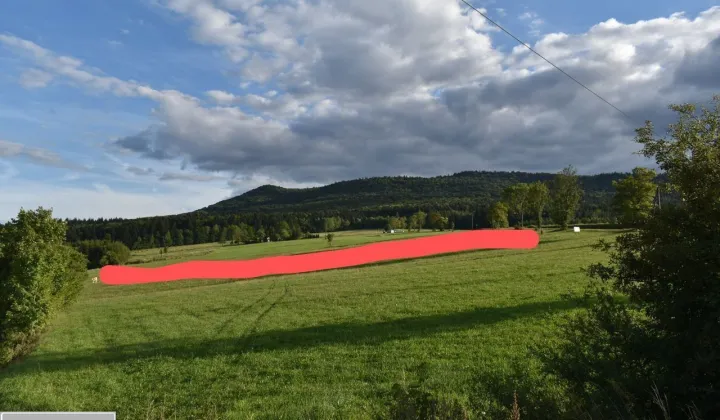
(39, 273)
(633, 200)
(516, 196)
(664, 339)
(565, 195)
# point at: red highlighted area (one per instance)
(325, 260)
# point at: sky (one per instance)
(132, 108)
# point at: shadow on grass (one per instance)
(284, 340)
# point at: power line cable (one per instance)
(546, 60)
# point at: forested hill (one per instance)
(369, 203)
(402, 194)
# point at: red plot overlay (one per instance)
(325, 260)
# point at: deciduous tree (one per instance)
(565, 195)
(664, 339)
(516, 197)
(498, 215)
(417, 220)
(436, 221)
(633, 200)
(538, 197)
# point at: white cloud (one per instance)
(103, 201)
(362, 105)
(212, 25)
(534, 22)
(75, 70)
(37, 155)
(34, 78)
(416, 88)
(221, 97)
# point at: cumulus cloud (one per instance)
(701, 69)
(221, 97)
(417, 88)
(212, 25)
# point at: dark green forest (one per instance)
(282, 213)
(385, 196)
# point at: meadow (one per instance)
(319, 345)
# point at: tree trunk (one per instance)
(539, 220)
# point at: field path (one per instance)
(324, 260)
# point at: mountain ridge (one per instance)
(362, 193)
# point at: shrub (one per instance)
(38, 275)
(415, 402)
(522, 388)
(71, 275)
(116, 253)
(102, 253)
(654, 328)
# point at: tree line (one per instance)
(459, 201)
(204, 227)
(560, 198)
(108, 241)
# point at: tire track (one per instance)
(233, 315)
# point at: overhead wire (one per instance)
(546, 60)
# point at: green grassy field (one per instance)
(318, 345)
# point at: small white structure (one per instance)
(392, 230)
(576, 229)
(268, 239)
(94, 279)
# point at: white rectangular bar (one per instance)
(29, 415)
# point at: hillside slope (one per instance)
(383, 192)
(357, 204)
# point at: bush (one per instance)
(415, 402)
(38, 275)
(102, 253)
(653, 333)
(522, 387)
(71, 275)
(116, 253)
